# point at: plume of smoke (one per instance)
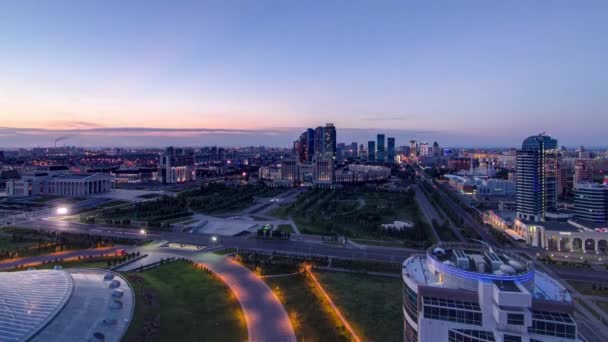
(61, 138)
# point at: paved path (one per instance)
(266, 318)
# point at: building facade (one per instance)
(60, 184)
(371, 151)
(380, 148)
(177, 166)
(329, 141)
(471, 292)
(536, 178)
(390, 150)
(591, 202)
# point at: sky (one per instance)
(227, 72)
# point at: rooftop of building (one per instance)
(553, 225)
(478, 262)
(56, 305)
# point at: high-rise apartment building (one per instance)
(318, 141)
(424, 149)
(436, 150)
(474, 293)
(310, 144)
(380, 148)
(353, 150)
(390, 150)
(564, 179)
(536, 178)
(591, 202)
(413, 148)
(582, 171)
(329, 141)
(371, 151)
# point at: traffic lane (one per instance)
(485, 236)
(235, 242)
(288, 246)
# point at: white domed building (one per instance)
(64, 305)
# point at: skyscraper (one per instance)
(413, 148)
(353, 150)
(424, 149)
(310, 143)
(390, 150)
(371, 151)
(329, 141)
(318, 140)
(380, 155)
(436, 150)
(536, 178)
(300, 147)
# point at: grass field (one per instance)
(178, 302)
(97, 262)
(285, 228)
(587, 288)
(9, 244)
(370, 303)
(312, 320)
(356, 212)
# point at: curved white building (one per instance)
(71, 305)
(470, 292)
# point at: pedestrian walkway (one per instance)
(266, 318)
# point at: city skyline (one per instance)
(441, 72)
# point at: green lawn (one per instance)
(312, 319)
(285, 228)
(358, 213)
(97, 262)
(177, 302)
(9, 244)
(371, 304)
(587, 288)
(281, 212)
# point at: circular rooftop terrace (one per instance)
(479, 262)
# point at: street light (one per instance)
(61, 211)
(214, 238)
(143, 232)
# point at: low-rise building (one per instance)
(60, 182)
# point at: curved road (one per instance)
(266, 318)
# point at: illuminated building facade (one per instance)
(470, 292)
(536, 178)
(177, 166)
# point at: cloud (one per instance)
(129, 131)
(385, 118)
(71, 124)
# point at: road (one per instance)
(468, 220)
(297, 245)
(427, 210)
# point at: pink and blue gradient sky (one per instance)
(464, 73)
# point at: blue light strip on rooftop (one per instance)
(520, 278)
